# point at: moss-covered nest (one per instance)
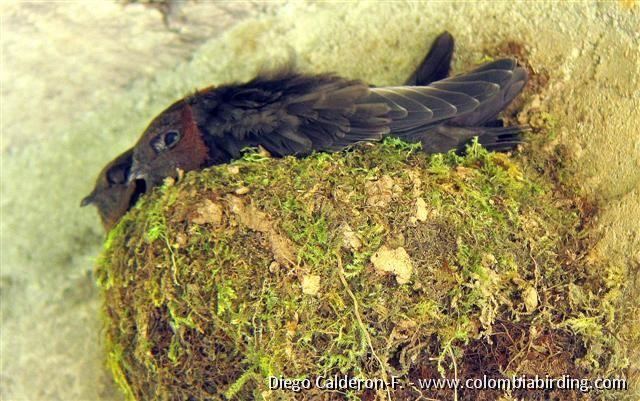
(377, 263)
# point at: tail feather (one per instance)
(501, 138)
(443, 138)
(436, 64)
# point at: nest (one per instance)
(380, 263)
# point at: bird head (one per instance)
(113, 195)
(172, 141)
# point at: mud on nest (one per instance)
(376, 262)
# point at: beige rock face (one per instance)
(81, 80)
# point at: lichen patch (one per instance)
(249, 216)
(422, 214)
(310, 284)
(395, 261)
(208, 212)
(350, 238)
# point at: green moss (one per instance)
(206, 306)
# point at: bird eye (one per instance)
(117, 175)
(171, 138)
(165, 141)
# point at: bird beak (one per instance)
(87, 200)
(136, 173)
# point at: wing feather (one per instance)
(289, 114)
(466, 100)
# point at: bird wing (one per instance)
(288, 114)
(295, 114)
(465, 100)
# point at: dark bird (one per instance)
(114, 194)
(289, 113)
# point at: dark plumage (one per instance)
(113, 195)
(294, 114)
(436, 64)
